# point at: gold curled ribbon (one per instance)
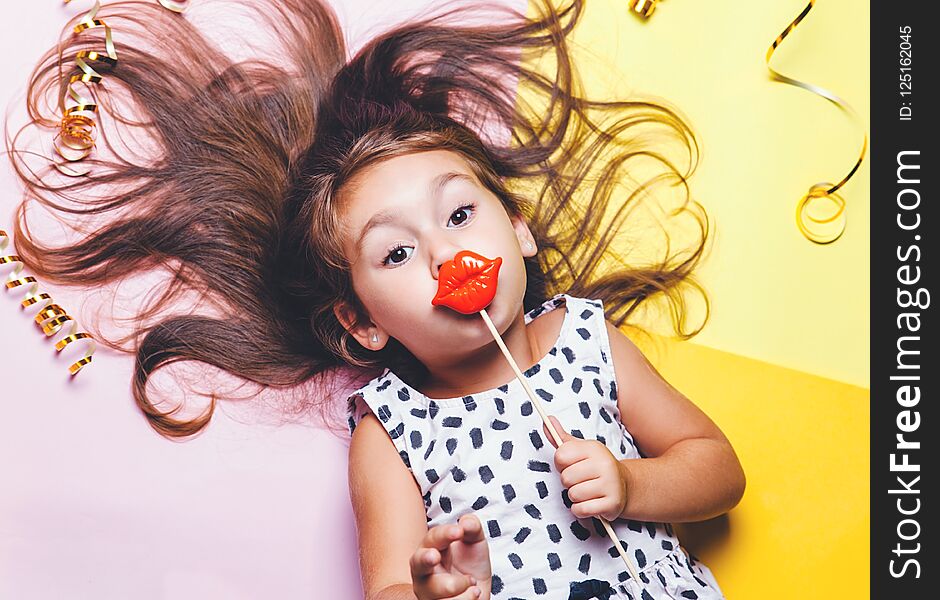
(644, 8)
(811, 226)
(51, 318)
(76, 137)
(176, 7)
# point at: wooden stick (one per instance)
(551, 428)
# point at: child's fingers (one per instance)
(423, 561)
(471, 593)
(472, 529)
(446, 585)
(441, 536)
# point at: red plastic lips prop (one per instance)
(467, 283)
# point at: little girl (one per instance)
(459, 466)
(313, 204)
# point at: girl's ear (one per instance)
(526, 240)
(368, 334)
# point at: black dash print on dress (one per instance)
(486, 475)
(506, 451)
(432, 475)
(533, 511)
(452, 422)
(613, 391)
(538, 584)
(576, 385)
(508, 493)
(384, 413)
(557, 377)
(536, 439)
(580, 531)
(433, 408)
(591, 369)
(584, 333)
(569, 354)
(493, 528)
(526, 408)
(554, 561)
(469, 403)
(584, 565)
(476, 437)
(522, 535)
(445, 504)
(547, 396)
(646, 595)
(416, 440)
(500, 405)
(651, 529)
(419, 412)
(539, 466)
(634, 526)
(404, 458)
(565, 498)
(514, 560)
(604, 414)
(640, 558)
(542, 489)
(458, 474)
(496, 584)
(667, 545)
(586, 314)
(451, 445)
(532, 370)
(577, 433)
(427, 452)
(553, 533)
(499, 425)
(597, 386)
(396, 433)
(480, 503)
(403, 394)
(585, 409)
(504, 388)
(384, 384)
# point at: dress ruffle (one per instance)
(676, 576)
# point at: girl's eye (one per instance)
(398, 255)
(460, 216)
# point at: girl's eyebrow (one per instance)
(390, 215)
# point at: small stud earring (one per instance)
(375, 338)
(528, 245)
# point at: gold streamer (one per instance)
(51, 318)
(644, 8)
(811, 226)
(76, 138)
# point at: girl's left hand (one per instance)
(596, 481)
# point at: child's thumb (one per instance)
(564, 435)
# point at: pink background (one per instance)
(95, 504)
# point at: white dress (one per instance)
(487, 453)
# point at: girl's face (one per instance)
(403, 218)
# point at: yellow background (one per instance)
(783, 364)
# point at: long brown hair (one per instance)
(241, 194)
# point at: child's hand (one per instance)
(453, 562)
(595, 479)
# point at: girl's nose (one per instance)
(441, 252)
